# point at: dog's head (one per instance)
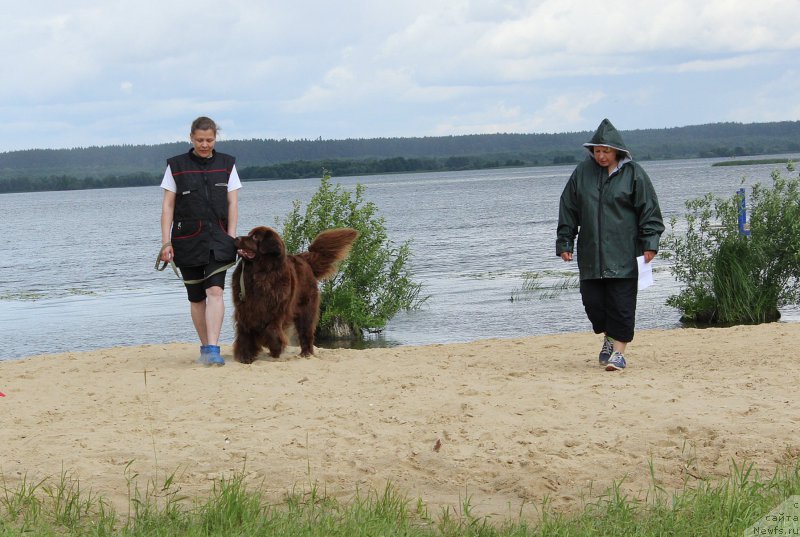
(262, 241)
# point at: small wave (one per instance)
(31, 295)
(24, 295)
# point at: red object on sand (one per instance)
(2, 394)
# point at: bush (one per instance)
(731, 278)
(374, 282)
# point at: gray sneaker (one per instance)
(606, 351)
(616, 362)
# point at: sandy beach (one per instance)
(505, 422)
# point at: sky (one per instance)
(83, 73)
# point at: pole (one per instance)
(744, 229)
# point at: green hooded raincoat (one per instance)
(616, 218)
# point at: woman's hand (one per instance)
(566, 256)
(649, 255)
(167, 253)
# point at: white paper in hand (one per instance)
(645, 273)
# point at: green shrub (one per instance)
(374, 282)
(729, 278)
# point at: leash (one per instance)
(241, 280)
(165, 263)
(171, 263)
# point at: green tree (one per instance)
(374, 282)
(732, 278)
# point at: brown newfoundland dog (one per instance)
(281, 290)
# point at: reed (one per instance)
(544, 285)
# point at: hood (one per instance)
(608, 135)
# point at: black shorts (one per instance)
(197, 291)
(610, 304)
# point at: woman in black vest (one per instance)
(199, 214)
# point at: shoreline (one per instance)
(516, 420)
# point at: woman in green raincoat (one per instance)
(610, 205)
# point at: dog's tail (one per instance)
(327, 249)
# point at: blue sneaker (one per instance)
(616, 362)
(203, 359)
(606, 351)
(214, 357)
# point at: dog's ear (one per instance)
(263, 244)
(269, 243)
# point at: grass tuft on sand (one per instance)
(61, 506)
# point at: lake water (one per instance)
(77, 273)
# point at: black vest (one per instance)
(200, 221)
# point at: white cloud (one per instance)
(560, 113)
(362, 68)
(772, 100)
(498, 117)
(567, 111)
(724, 64)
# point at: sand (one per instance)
(506, 423)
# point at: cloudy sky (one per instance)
(79, 73)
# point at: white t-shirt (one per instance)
(168, 182)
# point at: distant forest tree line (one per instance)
(143, 165)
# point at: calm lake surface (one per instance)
(77, 273)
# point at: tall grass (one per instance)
(61, 507)
(742, 297)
